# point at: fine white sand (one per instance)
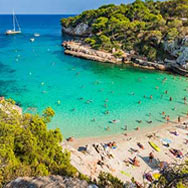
(86, 161)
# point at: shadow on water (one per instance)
(10, 87)
(5, 68)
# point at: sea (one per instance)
(90, 98)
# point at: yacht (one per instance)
(14, 30)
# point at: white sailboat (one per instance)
(15, 22)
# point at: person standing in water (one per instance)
(179, 119)
(167, 119)
(185, 100)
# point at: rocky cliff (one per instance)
(48, 182)
(155, 30)
(81, 30)
(178, 51)
(78, 49)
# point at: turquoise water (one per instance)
(38, 75)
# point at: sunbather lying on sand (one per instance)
(177, 153)
(136, 162)
(140, 145)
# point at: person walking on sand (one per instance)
(151, 157)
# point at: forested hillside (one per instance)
(142, 26)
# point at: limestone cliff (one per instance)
(81, 30)
(178, 50)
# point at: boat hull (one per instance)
(13, 32)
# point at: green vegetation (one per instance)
(142, 26)
(174, 176)
(27, 148)
(107, 180)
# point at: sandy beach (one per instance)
(90, 156)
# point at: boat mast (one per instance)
(13, 21)
(17, 23)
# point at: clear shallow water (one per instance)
(38, 75)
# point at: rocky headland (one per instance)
(153, 36)
(178, 65)
(81, 50)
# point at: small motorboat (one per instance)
(32, 39)
(36, 34)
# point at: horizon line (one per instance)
(40, 14)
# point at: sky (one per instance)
(53, 6)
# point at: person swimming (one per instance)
(105, 105)
(185, 100)
(106, 112)
(139, 121)
(170, 99)
(89, 101)
(107, 128)
(93, 120)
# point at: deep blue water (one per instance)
(38, 75)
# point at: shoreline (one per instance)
(119, 137)
(86, 153)
(81, 50)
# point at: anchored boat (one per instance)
(15, 22)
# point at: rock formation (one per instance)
(48, 182)
(81, 30)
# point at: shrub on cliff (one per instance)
(27, 147)
(176, 175)
(108, 180)
(134, 25)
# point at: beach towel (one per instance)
(166, 140)
(125, 173)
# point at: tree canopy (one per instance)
(27, 147)
(135, 26)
